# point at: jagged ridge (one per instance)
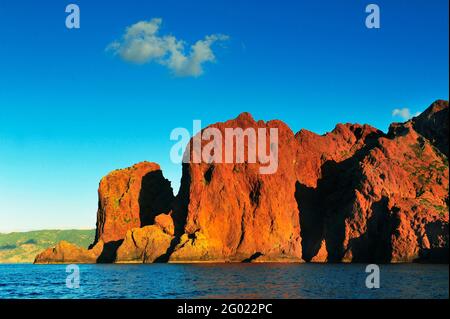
(352, 195)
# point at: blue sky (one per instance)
(71, 111)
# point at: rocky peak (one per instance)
(130, 198)
(233, 212)
(433, 124)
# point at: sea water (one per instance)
(224, 281)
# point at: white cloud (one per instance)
(404, 113)
(141, 44)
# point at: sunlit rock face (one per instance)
(67, 253)
(232, 212)
(355, 194)
(130, 198)
(148, 244)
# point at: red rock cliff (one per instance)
(233, 212)
(130, 198)
(352, 195)
(386, 201)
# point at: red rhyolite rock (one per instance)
(387, 202)
(352, 195)
(66, 253)
(233, 212)
(131, 198)
(433, 124)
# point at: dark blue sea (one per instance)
(224, 281)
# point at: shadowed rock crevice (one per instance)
(438, 255)
(323, 209)
(337, 192)
(99, 224)
(208, 174)
(311, 220)
(438, 235)
(255, 193)
(252, 257)
(179, 215)
(375, 245)
(155, 197)
(109, 252)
